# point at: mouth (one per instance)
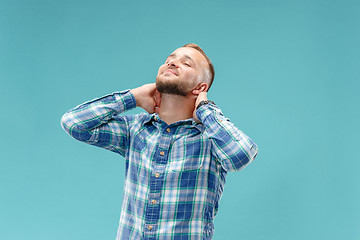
(170, 71)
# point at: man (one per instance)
(177, 154)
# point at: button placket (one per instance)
(152, 212)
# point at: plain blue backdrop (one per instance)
(287, 74)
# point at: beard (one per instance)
(173, 88)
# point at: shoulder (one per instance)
(141, 118)
(133, 118)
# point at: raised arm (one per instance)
(98, 122)
(230, 146)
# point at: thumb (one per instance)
(157, 98)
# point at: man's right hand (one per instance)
(147, 97)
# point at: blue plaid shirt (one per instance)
(174, 174)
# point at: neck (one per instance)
(175, 108)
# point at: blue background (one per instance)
(287, 74)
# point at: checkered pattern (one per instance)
(174, 174)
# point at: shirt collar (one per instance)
(154, 117)
(149, 118)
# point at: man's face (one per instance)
(181, 72)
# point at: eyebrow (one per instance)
(185, 55)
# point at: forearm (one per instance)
(231, 146)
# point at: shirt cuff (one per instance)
(207, 110)
(125, 99)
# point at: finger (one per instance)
(157, 98)
(195, 117)
(157, 110)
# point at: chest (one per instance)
(175, 149)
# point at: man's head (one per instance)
(185, 70)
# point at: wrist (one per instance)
(204, 102)
(137, 96)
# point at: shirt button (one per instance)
(149, 227)
(157, 175)
(168, 130)
(153, 201)
(162, 153)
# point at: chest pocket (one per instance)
(187, 154)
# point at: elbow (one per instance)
(240, 160)
(65, 122)
(74, 128)
(252, 153)
(250, 156)
(69, 123)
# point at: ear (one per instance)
(201, 87)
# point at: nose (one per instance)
(173, 63)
